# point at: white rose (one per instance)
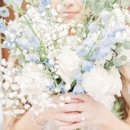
(115, 83)
(102, 85)
(96, 81)
(69, 64)
(32, 80)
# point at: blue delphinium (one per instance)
(93, 28)
(78, 89)
(2, 26)
(51, 85)
(87, 66)
(44, 3)
(78, 77)
(48, 63)
(34, 58)
(4, 12)
(108, 41)
(34, 43)
(81, 51)
(88, 43)
(102, 53)
(23, 43)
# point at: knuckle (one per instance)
(76, 107)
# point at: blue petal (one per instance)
(2, 26)
(88, 42)
(78, 89)
(87, 66)
(52, 85)
(34, 58)
(80, 50)
(78, 77)
(93, 28)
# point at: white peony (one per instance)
(69, 64)
(115, 83)
(103, 85)
(96, 81)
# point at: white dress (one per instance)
(52, 126)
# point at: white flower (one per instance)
(69, 64)
(103, 85)
(100, 81)
(96, 81)
(115, 83)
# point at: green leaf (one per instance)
(21, 59)
(118, 50)
(116, 109)
(123, 58)
(119, 45)
(126, 45)
(117, 61)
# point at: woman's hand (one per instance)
(89, 112)
(50, 113)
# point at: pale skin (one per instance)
(69, 116)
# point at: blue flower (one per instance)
(27, 32)
(108, 41)
(51, 85)
(23, 43)
(34, 58)
(81, 51)
(78, 77)
(102, 53)
(34, 43)
(93, 28)
(105, 16)
(2, 26)
(107, 32)
(44, 3)
(9, 45)
(120, 27)
(87, 66)
(88, 42)
(63, 90)
(4, 12)
(48, 64)
(78, 89)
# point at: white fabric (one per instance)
(52, 126)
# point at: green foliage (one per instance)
(21, 59)
(116, 109)
(126, 45)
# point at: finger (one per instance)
(68, 117)
(66, 99)
(83, 97)
(73, 107)
(60, 123)
(73, 126)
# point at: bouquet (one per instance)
(55, 57)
